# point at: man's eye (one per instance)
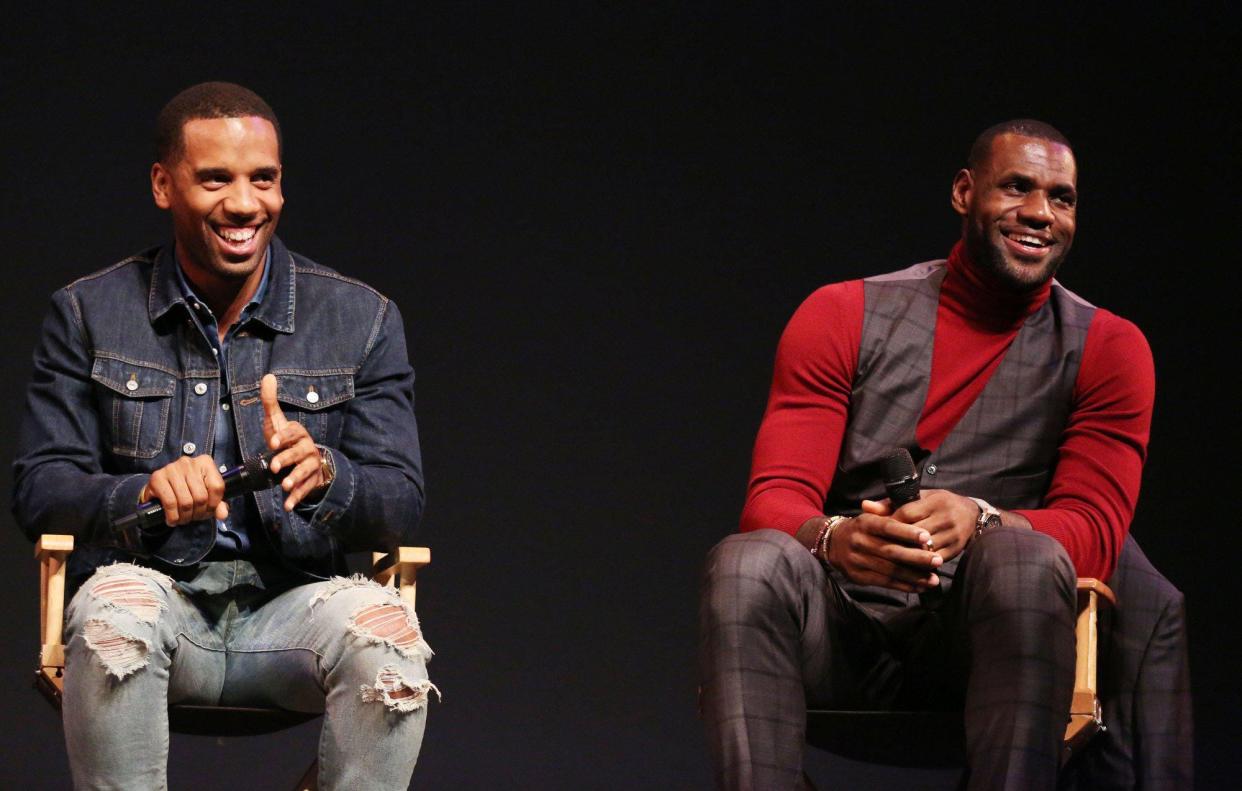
(1065, 200)
(1013, 187)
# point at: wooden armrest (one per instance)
(52, 551)
(1086, 718)
(400, 568)
(1092, 585)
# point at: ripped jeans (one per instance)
(136, 641)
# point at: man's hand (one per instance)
(297, 448)
(189, 489)
(874, 548)
(947, 517)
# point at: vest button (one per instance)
(931, 469)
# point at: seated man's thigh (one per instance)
(346, 633)
(1144, 684)
(123, 619)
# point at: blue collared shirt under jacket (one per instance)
(234, 532)
(125, 381)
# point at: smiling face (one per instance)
(223, 191)
(1018, 209)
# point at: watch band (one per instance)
(989, 517)
(327, 467)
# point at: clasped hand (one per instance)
(192, 488)
(887, 548)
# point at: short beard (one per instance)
(993, 260)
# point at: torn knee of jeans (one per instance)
(119, 653)
(393, 624)
(392, 689)
(130, 595)
(134, 570)
(338, 584)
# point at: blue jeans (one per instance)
(137, 641)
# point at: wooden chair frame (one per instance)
(397, 569)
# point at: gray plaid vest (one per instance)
(1005, 447)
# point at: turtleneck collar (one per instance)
(977, 295)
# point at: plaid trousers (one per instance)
(779, 632)
(1144, 687)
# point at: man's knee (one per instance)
(1023, 564)
(757, 553)
(116, 615)
(386, 644)
(748, 570)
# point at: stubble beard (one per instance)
(1019, 278)
(213, 261)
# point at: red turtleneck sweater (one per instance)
(1096, 482)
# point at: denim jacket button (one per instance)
(312, 397)
(200, 388)
(131, 385)
(189, 448)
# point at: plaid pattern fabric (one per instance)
(1004, 447)
(1144, 687)
(779, 632)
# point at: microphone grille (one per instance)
(898, 466)
(256, 467)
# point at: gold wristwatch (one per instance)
(989, 517)
(327, 467)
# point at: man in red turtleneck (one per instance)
(1028, 410)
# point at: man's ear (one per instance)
(161, 185)
(963, 185)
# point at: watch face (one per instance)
(992, 521)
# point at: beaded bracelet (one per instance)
(824, 540)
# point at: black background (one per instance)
(596, 220)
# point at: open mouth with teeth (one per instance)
(238, 240)
(1027, 244)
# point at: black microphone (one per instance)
(901, 478)
(251, 475)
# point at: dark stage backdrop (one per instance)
(596, 220)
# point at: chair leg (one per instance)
(310, 778)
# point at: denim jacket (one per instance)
(125, 382)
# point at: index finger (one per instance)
(273, 417)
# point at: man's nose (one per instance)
(242, 199)
(1036, 209)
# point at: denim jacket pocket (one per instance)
(136, 399)
(316, 400)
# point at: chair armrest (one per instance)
(400, 569)
(1086, 718)
(1092, 585)
(1092, 595)
(52, 551)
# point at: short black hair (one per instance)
(206, 100)
(1027, 127)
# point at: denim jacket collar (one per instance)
(276, 310)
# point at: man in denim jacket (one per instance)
(159, 373)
